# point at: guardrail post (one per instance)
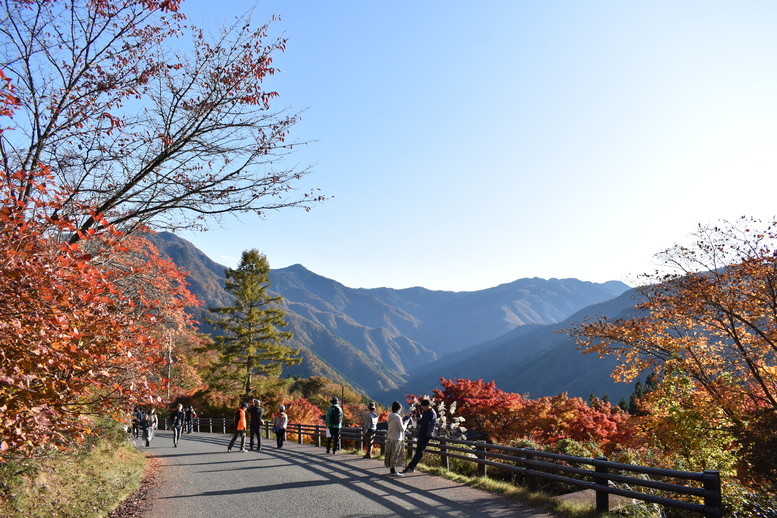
(713, 504)
(299, 433)
(480, 453)
(531, 480)
(444, 459)
(224, 425)
(197, 424)
(410, 447)
(318, 435)
(602, 497)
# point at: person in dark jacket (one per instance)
(333, 421)
(427, 426)
(177, 421)
(257, 413)
(191, 415)
(137, 419)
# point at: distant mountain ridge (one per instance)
(535, 360)
(377, 339)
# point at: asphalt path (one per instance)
(200, 479)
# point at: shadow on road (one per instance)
(201, 478)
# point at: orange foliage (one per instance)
(507, 417)
(712, 317)
(79, 336)
(302, 411)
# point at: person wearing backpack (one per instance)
(334, 421)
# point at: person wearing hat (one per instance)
(280, 421)
(240, 428)
(369, 428)
(334, 421)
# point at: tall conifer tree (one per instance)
(251, 342)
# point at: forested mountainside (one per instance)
(375, 339)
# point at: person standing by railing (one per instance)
(334, 421)
(280, 422)
(369, 427)
(394, 450)
(256, 412)
(427, 426)
(240, 428)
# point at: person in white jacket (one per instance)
(394, 454)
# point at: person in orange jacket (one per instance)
(240, 428)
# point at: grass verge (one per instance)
(87, 484)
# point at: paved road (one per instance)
(200, 479)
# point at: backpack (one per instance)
(335, 416)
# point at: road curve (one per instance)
(200, 479)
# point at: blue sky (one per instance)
(467, 145)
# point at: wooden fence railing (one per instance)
(674, 489)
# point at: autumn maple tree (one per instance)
(142, 118)
(485, 407)
(507, 417)
(79, 321)
(302, 411)
(709, 315)
(114, 120)
(77, 339)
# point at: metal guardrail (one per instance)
(534, 465)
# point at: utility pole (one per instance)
(169, 361)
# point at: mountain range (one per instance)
(392, 342)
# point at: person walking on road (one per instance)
(394, 452)
(240, 428)
(334, 421)
(427, 426)
(256, 412)
(191, 415)
(150, 424)
(369, 428)
(137, 419)
(280, 422)
(177, 421)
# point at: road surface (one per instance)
(200, 479)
